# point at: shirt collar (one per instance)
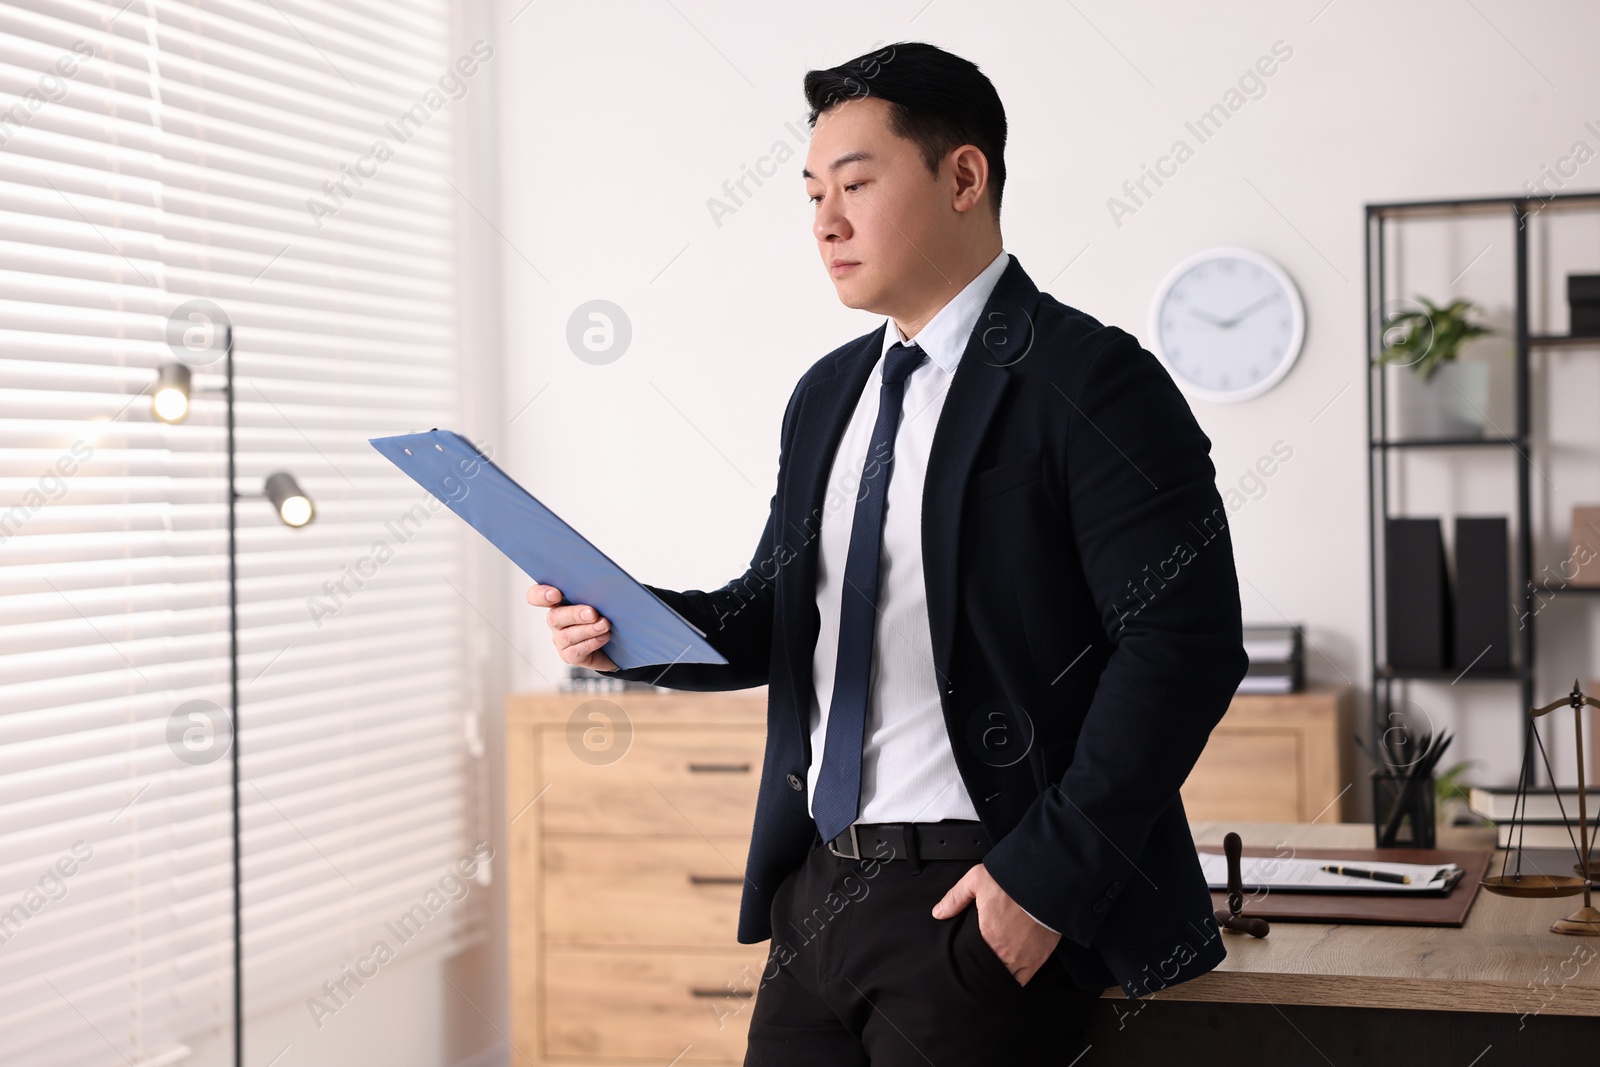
(945, 336)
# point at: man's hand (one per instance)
(1022, 944)
(577, 630)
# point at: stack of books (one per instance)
(1277, 659)
(1539, 823)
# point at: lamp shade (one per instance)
(293, 506)
(169, 400)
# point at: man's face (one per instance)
(883, 223)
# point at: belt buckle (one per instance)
(855, 843)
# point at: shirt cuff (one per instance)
(1030, 915)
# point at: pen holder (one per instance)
(1414, 827)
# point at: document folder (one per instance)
(1389, 909)
(1304, 874)
(645, 630)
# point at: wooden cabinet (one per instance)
(1277, 759)
(629, 822)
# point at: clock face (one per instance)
(1227, 323)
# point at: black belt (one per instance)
(953, 839)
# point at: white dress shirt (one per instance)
(908, 772)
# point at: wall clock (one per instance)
(1227, 323)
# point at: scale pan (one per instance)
(1533, 885)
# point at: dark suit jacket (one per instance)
(1084, 613)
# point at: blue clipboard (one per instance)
(645, 630)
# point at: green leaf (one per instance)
(1428, 339)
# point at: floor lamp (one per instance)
(169, 402)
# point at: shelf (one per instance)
(1446, 442)
(1449, 674)
(1556, 340)
(1480, 205)
(1383, 222)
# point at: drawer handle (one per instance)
(702, 991)
(719, 768)
(716, 879)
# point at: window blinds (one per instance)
(284, 161)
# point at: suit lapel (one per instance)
(1002, 336)
(820, 422)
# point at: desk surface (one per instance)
(1504, 959)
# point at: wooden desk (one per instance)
(624, 878)
(1500, 989)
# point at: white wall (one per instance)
(621, 119)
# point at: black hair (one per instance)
(939, 102)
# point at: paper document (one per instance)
(1304, 873)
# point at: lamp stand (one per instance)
(233, 705)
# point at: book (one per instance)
(1539, 835)
(1539, 806)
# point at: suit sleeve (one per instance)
(1152, 534)
(737, 618)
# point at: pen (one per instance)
(1360, 872)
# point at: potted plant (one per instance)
(1444, 396)
(1450, 795)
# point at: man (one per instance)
(996, 610)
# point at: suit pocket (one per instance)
(991, 971)
(1007, 475)
(1058, 757)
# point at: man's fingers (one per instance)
(560, 615)
(572, 615)
(577, 630)
(960, 895)
(579, 651)
(582, 631)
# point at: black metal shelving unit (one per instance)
(1519, 209)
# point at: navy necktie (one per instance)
(837, 798)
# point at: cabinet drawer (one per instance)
(668, 781)
(1247, 775)
(671, 892)
(659, 1007)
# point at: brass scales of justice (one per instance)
(1586, 920)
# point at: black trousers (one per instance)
(860, 972)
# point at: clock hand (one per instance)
(1197, 313)
(1234, 320)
